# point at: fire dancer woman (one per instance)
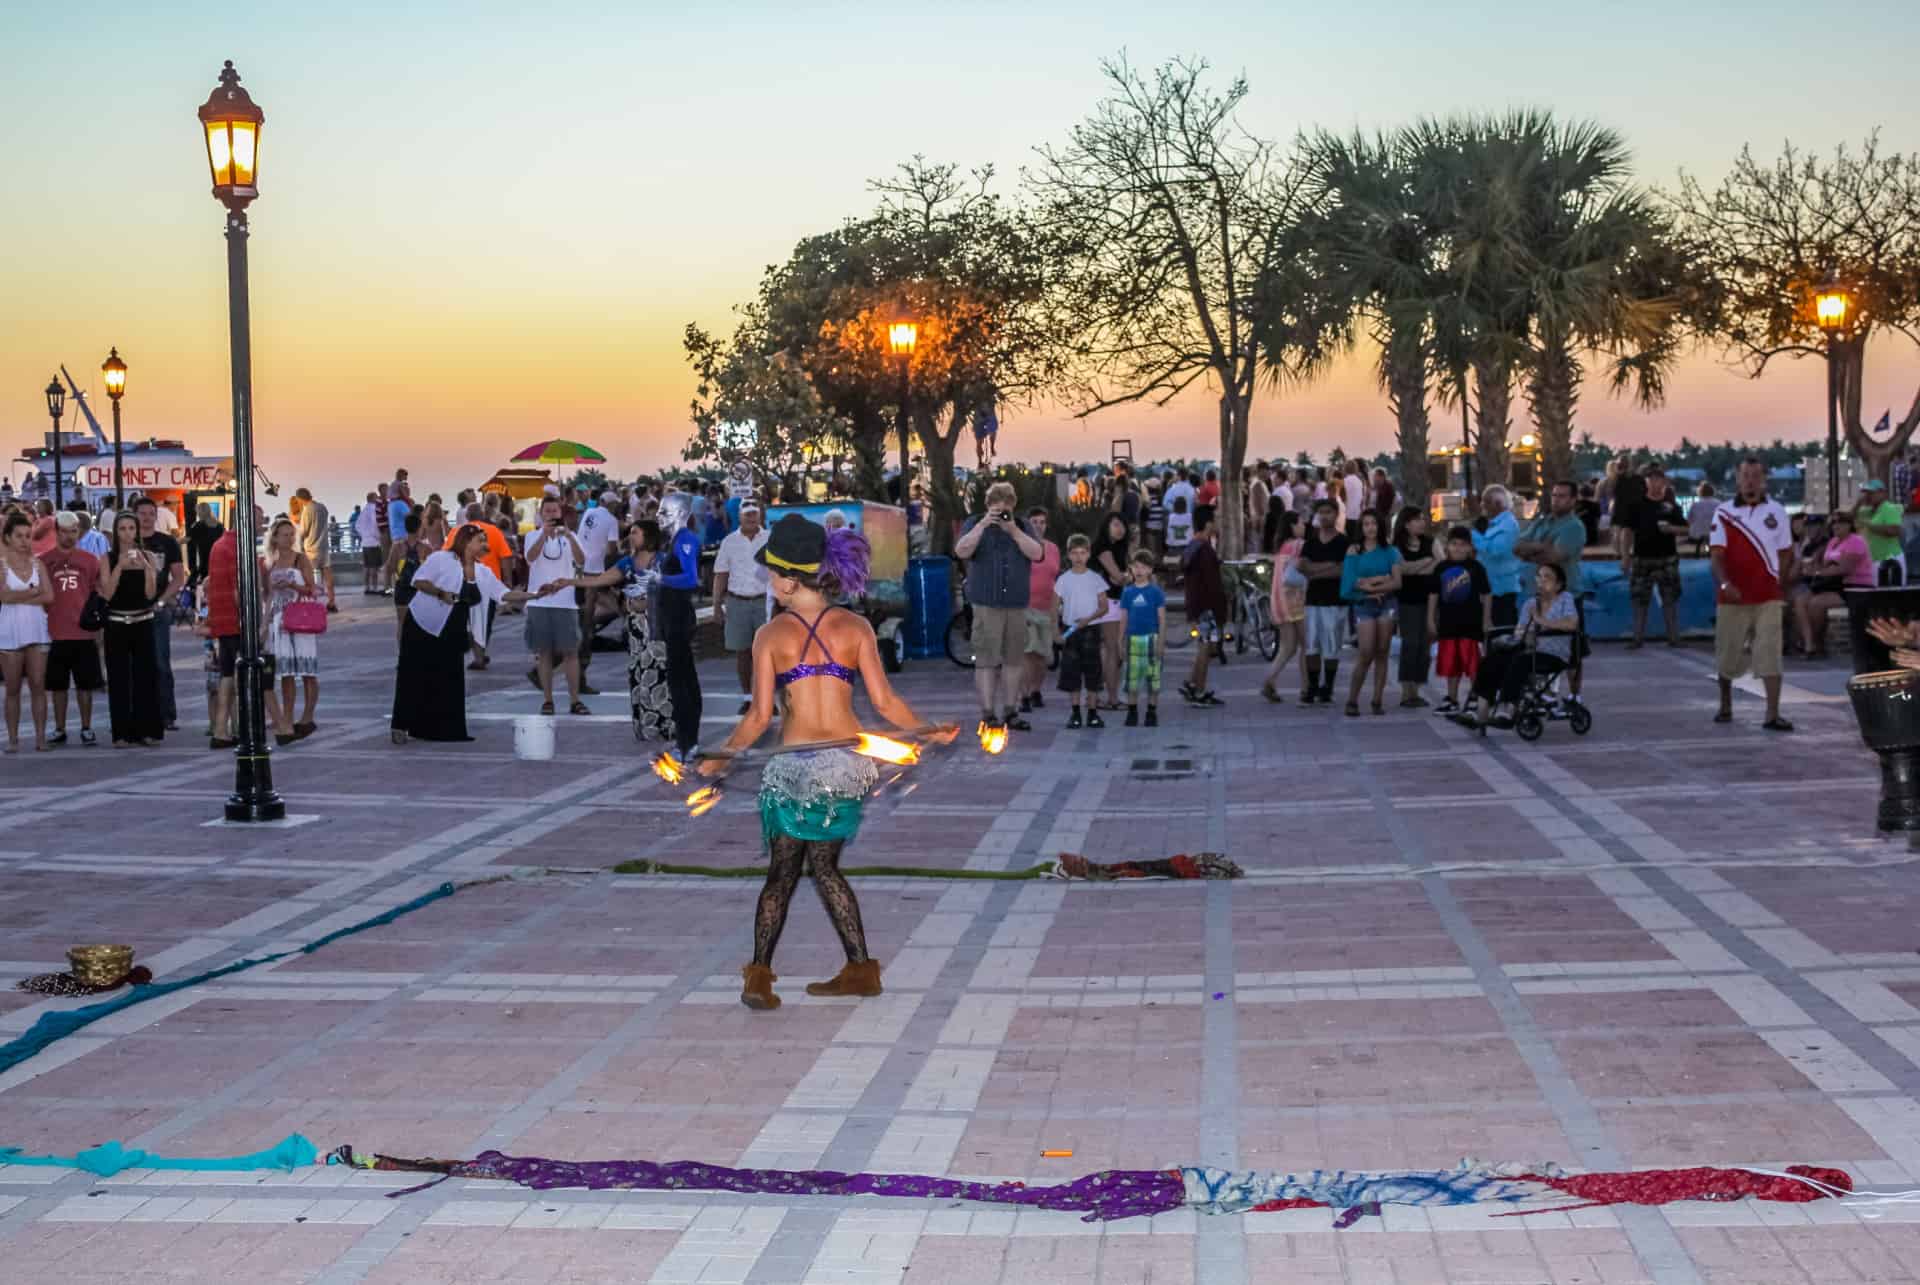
(429, 684)
(810, 802)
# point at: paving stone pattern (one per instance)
(1668, 943)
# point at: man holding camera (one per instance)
(997, 549)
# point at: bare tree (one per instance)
(1771, 234)
(1171, 214)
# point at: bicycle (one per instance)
(1253, 620)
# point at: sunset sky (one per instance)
(485, 224)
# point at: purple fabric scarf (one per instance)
(1109, 1194)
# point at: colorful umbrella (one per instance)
(560, 451)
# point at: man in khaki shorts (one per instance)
(998, 548)
(1752, 550)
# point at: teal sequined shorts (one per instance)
(817, 796)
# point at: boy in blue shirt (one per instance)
(1145, 606)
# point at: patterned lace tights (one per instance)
(791, 856)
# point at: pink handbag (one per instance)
(304, 616)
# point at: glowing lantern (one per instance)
(232, 122)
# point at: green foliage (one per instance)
(1772, 234)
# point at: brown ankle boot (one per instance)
(862, 978)
(758, 990)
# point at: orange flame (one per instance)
(703, 800)
(993, 737)
(886, 749)
(668, 768)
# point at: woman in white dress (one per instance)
(288, 577)
(25, 591)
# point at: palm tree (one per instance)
(1378, 241)
(1554, 258)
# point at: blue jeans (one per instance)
(162, 626)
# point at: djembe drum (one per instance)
(1887, 706)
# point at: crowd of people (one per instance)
(1487, 605)
(1353, 572)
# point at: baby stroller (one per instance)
(1539, 700)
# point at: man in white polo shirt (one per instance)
(553, 621)
(1752, 549)
(740, 593)
(599, 535)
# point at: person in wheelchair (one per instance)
(1541, 645)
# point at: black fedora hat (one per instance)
(795, 546)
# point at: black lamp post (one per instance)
(1833, 310)
(231, 122)
(901, 338)
(56, 406)
(115, 372)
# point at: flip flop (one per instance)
(1723, 716)
(547, 708)
(579, 707)
(1777, 725)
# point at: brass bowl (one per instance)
(100, 965)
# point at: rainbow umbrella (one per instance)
(560, 451)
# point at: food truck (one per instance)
(1449, 469)
(174, 476)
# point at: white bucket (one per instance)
(533, 737)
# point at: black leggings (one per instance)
(1506, 671)
(788, 857)
(683, 689)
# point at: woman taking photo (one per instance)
(811, 801)
(1844, 563)
(1288, 603)
(130, 584)
(647, 688)
(1366, 578)
(25, 591)
(1543, 644)
(429, 682)
(1413, 580)
(288, 577)
(1110, 560)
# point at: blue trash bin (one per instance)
(929, 606)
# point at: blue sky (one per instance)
(484, 224)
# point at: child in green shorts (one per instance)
(1145, 606)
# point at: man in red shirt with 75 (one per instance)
(73, 662)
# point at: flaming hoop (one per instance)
(886, 749)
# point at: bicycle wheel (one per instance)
(1266, 634)
(960, 639)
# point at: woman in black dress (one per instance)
(430, 681)
(131, 583)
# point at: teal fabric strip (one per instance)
(821, 821)
(110, 1158)
(57, 1026)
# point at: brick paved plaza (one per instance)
(1667, 944)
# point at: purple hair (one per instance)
(845, 561)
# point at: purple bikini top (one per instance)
(829, 668)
